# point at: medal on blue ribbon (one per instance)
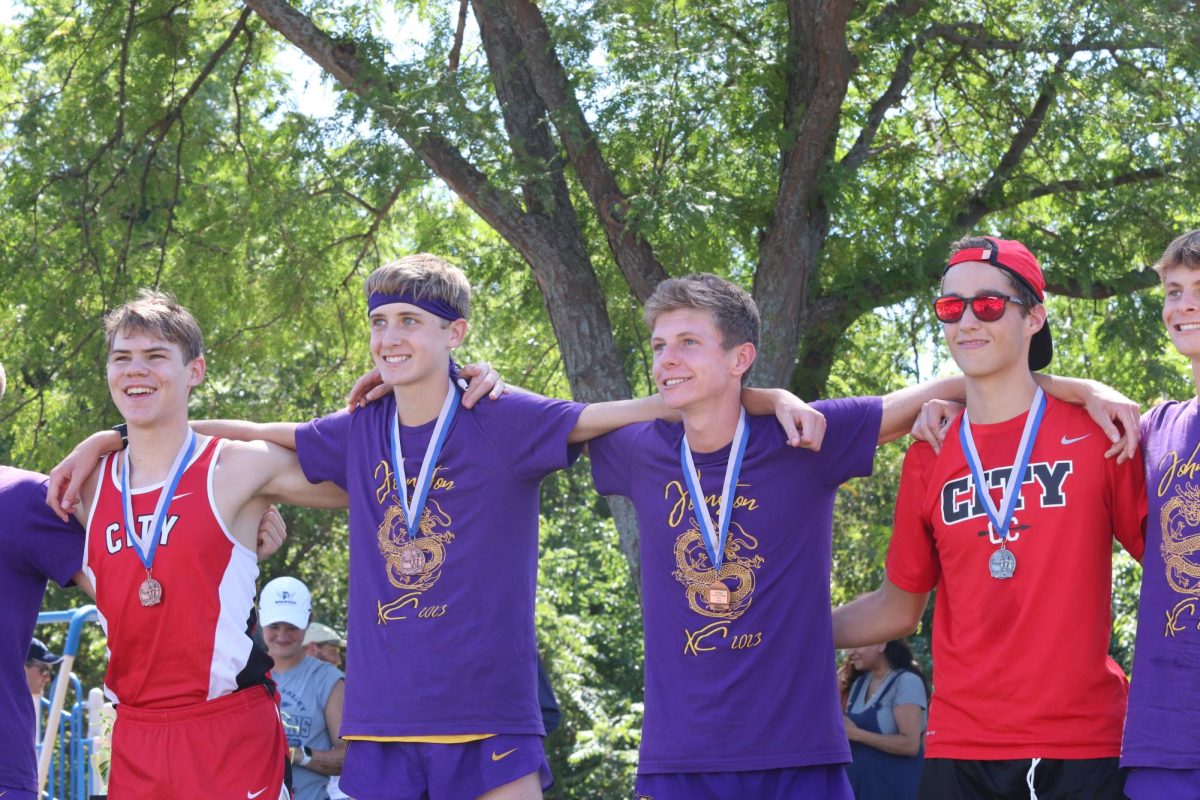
(412, 558)
(151, 591)
(717, 594)
(1002, 562)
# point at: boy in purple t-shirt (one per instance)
(441, 683)
(741, 692)
(1159, 744)
(37, 546)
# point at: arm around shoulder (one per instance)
(887, 613)
(598, 419)
(282, 434)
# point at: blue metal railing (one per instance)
(70, 773)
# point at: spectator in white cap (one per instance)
(310, 690)
(323, 642)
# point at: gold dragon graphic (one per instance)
(1180, 519)
(393, 537)
(695, 571)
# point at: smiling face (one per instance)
(691, 363)
(1181, 309)
(284, 641)
(148, 378)
(411, 346)
(987, 349)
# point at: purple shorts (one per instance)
(1155, 783)
(415, 770)
(826, 781)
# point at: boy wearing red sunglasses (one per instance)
(1027, 701)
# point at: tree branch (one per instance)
(980, 203)
(861, 149)
(633, 254)
(459, 31)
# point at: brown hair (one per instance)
(160, 315)
(1184, 251)
(734, 311)
(424, 276)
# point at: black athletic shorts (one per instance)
(1053, 779)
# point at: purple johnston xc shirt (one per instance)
(1164, 689)
(753, 687)
(37, 546)
(451, 650)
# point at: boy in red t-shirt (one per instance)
(1026, 698)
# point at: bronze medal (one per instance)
(412, 560)
(716, 596)
(150, 592)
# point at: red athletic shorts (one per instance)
(231, 747)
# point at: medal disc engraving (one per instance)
(717, 596)
(412, 560)
(1002, 564)
(150, 592)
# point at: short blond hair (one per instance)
(1184, 251)
(425, 277)
(734, 311)
(159, 315)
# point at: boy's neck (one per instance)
(711, 425)
(1000, 397)
(1196, 375)
(153, 449)
(419, 403)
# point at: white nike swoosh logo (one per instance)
(176, 497)
(252, 795)
(1065, 440)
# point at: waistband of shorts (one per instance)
(228, 704)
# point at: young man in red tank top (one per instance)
(172, 524)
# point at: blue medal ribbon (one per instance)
(1002, 518)
(714, 540)
(146, 549)
(414, 510)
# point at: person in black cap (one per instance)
(37, 667)
(38, 673)
(1027, 701)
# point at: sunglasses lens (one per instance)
(949, 309)
(988, 308)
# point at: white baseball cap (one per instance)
(320, 633)
(285, 600)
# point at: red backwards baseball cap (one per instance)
(1015, 259)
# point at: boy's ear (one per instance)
(196, 371)
(458, 332)
(744, 355)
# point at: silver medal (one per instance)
(1002, 564)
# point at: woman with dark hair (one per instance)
(886, 703)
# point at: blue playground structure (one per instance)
(68, 767)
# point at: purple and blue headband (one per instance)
(439, 308)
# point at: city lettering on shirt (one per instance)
(115, 545)
(960, 501)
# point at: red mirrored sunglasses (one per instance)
(985, 307)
